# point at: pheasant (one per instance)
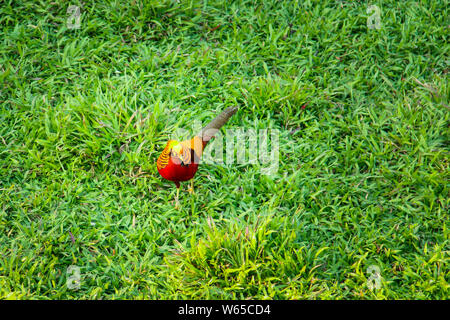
(179, 160)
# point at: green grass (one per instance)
(363, 177)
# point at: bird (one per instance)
(179, 161)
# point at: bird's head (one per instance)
(175, 148)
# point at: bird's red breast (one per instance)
(179, 160)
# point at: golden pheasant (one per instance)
(179, 160)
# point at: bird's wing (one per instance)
(195, 147)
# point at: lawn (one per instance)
(358, 208)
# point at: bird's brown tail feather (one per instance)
(211, 128)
